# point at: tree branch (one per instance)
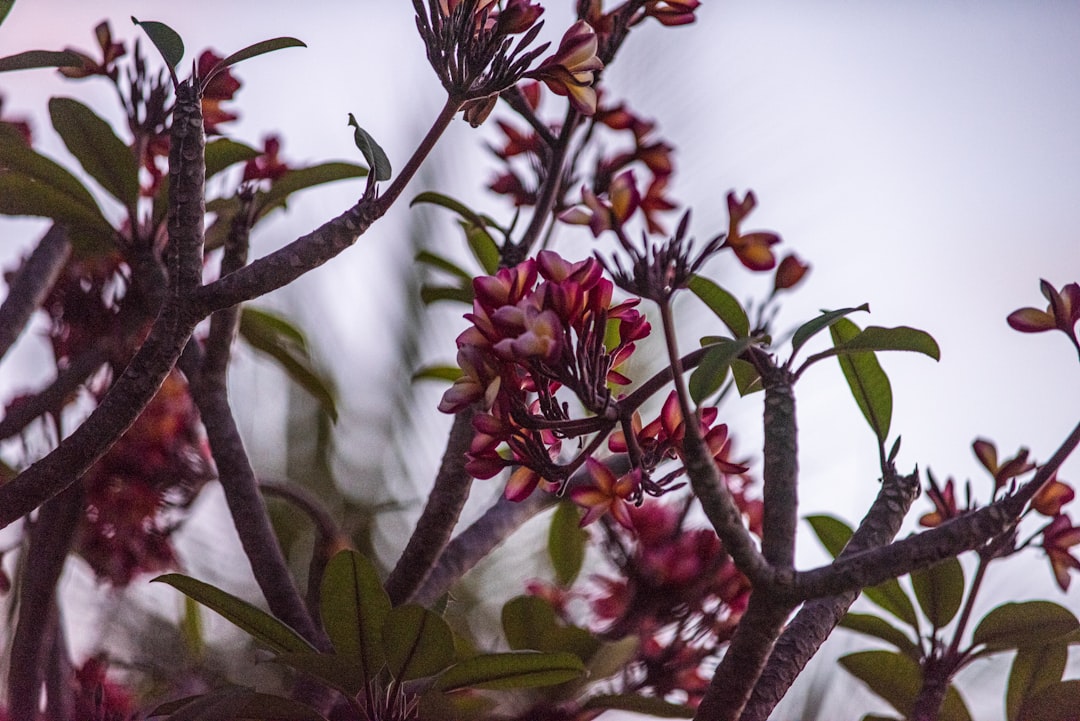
(32, 284)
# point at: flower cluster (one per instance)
(541, 326)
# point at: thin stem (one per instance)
(545, 201)
(442, 122)
(31, 285)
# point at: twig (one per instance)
(32, 284)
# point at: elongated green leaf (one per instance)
(297, 179)
(233, 702)
(483, 246)
(417, 642)
(722, 303)
(437, 373)
(832, 532)
(1054, 703)
(88, 230)
(612, 657)
(900, 338)
(5, 8)
(223, 153)
(279, 339)
(440, 263)
(191, 628)
(372, 151)
(251, 51)
(165, 39)
(646, 705)
(711, 372)
(879, 628)
(354, 606)
(939, 590)
(1033, 669)
(867, 381)
(104, 156)
(32, 59)
(434, 293)
(466, 213)
(747, 378)
(812, 327)
(1023, 625)
(456, 706)
(530, 623)
(333, 669)
(566, 543)
(260, 625)
(517, 669)
(897, 679)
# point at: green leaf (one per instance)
(747, 378)
(104, 156)
(1054, 703)
(251, 51)
(32, 59)
(530, 623)
(517, 669)
(418, 642)
(456, 706)
(612, 657)
(879, 628)
(1033, 669)
(646, 705)
(566, 543)
(296, 179)
(191, 628)
(722, 303)
(834, 535)
(466, 213)
(434, 293)
(898, 679)
(333, 669)
(260, 625)
(5, 8)
(372, 151)
(165, 39)
(939, 590)
(279, 339)
(1024, 625)
(354, 606)
(901, 338)
(233, 702)
(440, 263)
(812, 327)
(711, 372)
(867, 381)
(437, 373)
(223, 153)
(483, 247)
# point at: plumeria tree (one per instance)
(696, 608)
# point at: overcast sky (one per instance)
(923, 156)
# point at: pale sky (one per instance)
(923, 156)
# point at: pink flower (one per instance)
(607, 493)
(1058, 538)
(570, 71)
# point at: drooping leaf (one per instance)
(233, 702)
(191, 628)
(1054, 703)
(5, 8)
(1033, 669)
(417, 642)
(530, 623)
(747, 378)
(32, 59)
(483, 246)
(723, 304)
(466, 213)
(711, 372)
(897, 679)
(372, 151)
(434, 293)
(354, 606)
(900, 338)
(880, 628)
(939, 590)
(1024, 625)
(516, 669)
(440, 263)
(106, 158)
(612, 657)
(279, 339)
(296, 179)
(223, 153)
(165, 39)
(251, 51)
(867, 381)
(566, 543)
(260, 625)
(437, 373)
(645, 705)
(812, 327)
(333, 669)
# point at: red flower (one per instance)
(607, 493)
(1052, 496)
(986, 452)
(752, 249)
(672, 12)
(611, 214)
(570, 71)
(789, 273)
(1058, 538)
(110, 52)
(1062, 313)
(944, 501)
(222, 87)
(266, 166)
